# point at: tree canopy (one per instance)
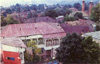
(35, 57)
(8, 20)
(77, 6)
(95, 14)
(77, 49)
(51, 13)
(11, 20)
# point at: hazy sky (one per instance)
(6, 3)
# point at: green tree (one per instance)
(78, 15)
(51, 13)
(95, 14)
(11, 20)
(33, 45)
(68, 18)
(91, 50)
(35, 57)
(76, 49)
(98, 27)
(77, 6)
(3, 21)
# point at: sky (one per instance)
(6, 3)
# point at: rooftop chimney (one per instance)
(83, 5)
(90, 7)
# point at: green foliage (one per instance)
(91, 50)
(33, 44)
(51, 13)
(67, 18)
(78, 15)
(68, 11)
(95, 14)
(10, 20)
(77, 6)
(3, 21)
(97, 27)
(76, 49)
(28, 57)
(35, 57)
(73, 17)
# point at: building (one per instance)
(78, 26)
(59, 19)
(46, 35)
(95, 36)
(12, 50)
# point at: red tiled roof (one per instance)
(43, 28)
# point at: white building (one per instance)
(12, 50)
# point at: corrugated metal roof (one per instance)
(95, 35)
(42, 28)
(16, 42)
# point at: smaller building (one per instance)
(12, 51)
(78, 26)
(60, 19)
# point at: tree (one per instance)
(68, 11)
(98, 27)
(51, 13)
(78, 15)
(3, 21)
(35, 57)
(18, 8)
(8, 10)
(77, 6)
(33, 44)
(91, 51)
(11, 20)
(76, 49)
(68, 18)
(95, 14)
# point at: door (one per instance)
(11, 57)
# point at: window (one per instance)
(49, 42)
(55, 42)
(35, 40)
(40, 41)
(11, 58)
(27, 40)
